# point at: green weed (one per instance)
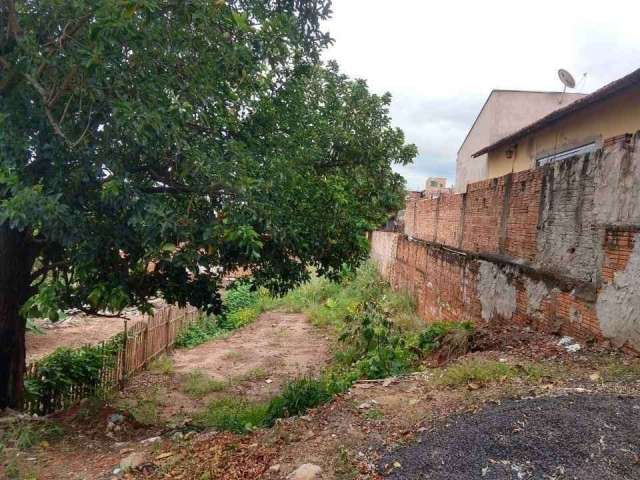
(162, 365)
(617, 370)
(199, 332)
(488, 371)
(198, 384)
(145, 409)
(28, 434)
(298, 396)
(233, 414)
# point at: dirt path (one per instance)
(278, 346)
(252, 363)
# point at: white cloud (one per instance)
(440, 60)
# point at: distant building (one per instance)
(504, 112)
(436, 186)
(584, 125)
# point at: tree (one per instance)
(148, 145)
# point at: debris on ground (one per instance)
(569, 344)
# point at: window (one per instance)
(572, 152)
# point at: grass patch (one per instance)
(373, 414)
(488, 371)
(163, 365)
(198, 384)
(298, 396)
(24, 435)
(145, 409)
(233, 414)
(241, 306)
(253, 375)
(204, 329)
(621, 370)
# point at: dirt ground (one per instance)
(253, 363)
(374, 430)
(76, 330)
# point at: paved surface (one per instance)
(582, 437)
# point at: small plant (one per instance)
(297, 397)
(25, 435)
(373, 414)
(162, 365)
(233, 414)
(377, 346)
(145, 410)
(198, 384)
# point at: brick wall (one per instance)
(482, 215)
(426, 215)
(545, 247)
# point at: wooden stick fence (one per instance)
(123, 355)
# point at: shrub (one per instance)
(81, 368)
(145, 410)
(297, 397)
(239, 297)
(199, 332)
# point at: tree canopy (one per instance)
(148, 145)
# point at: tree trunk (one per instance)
(17, 255)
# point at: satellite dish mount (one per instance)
(567, 80)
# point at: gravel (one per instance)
(582, 437)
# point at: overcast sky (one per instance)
(441, 59)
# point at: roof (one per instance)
(597, 96)
(501, 90)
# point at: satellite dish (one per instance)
(566, 78)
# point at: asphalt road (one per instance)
(581, 436)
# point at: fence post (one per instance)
(166, 330)
(145, 340)
(124, 356)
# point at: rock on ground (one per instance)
(586, 437)
(308, 471)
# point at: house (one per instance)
(436, 186)
(504, 112)
(579, 127)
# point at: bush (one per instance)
(297, 397)
(80, 368)
(199, 332)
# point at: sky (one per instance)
(441, 59)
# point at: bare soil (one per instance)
(364, 432)
(253, 363)
(76, 330)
